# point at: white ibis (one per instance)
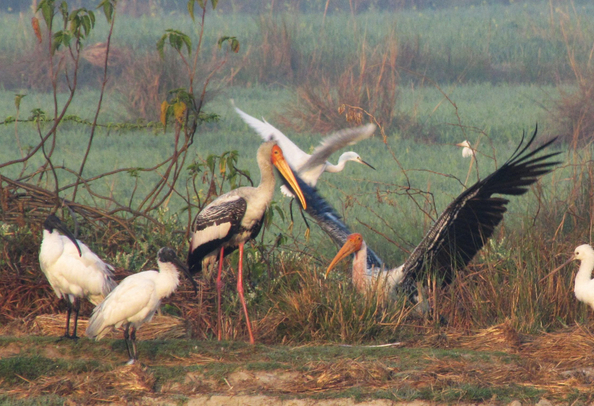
(584, 284)
(310, 167)
(236, 217)
(72, 269)
(460, 231)
(136, 299)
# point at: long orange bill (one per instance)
(349, 247)
(554, 271)
(285, 170)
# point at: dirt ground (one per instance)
(492, 366)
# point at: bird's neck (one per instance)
(267, 180)
(584, 275)
(338, 167)
(168, 279)
(51, 246)
(360, 275)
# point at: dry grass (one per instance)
(366, 89)
(122, 384)
(161, 327)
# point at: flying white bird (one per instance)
(310, 167)
(459, 232)
(72, 269)
(136, 299)
(584, 284)
(236, 217)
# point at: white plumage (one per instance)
(584, 284)
(72, 269)
(467, 151)
(136, 299)
(310, 167)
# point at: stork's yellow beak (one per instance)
(352, 245)
(283, 167)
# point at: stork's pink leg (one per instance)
(219, 288)
(240, 291)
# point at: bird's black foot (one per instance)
(67, 337)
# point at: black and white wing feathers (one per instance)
(469, 221)
(213, 226)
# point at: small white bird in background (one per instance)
(136, 299)
(467, 151)
(584, 284)
(72, 269)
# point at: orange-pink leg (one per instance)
(219, 288)
(240, 291)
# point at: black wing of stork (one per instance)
(329, 220)
(214, 226)
(469, 221)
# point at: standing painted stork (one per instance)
(136, 299)
(461, 230)
(235, 218)
(584, 284)
(310, 167)
(72, 269)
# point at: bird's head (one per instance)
(582, 252)
(278, 160)
(353, 156)
(353, 244)
(167, 255)
(52, 222)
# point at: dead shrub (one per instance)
(276, 58)
(144, 83)
(574, 114)
(366, 89)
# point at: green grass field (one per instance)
(498, 71)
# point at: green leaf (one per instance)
(233, 43)
(64, 10)
(161, 45)
(47, 10)
(17, 100)
(201, 4)
(191, 8)
(214, 3)
(107, 9)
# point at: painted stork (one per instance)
(310, 167)
(236, 217)
(136, 299)
(461, 230)
(584, 284)
(72, 269)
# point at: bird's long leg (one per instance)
(134, 349)
(76, 306)
(240, 291)
(219, 288)
(126, 339)
(69, 305)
